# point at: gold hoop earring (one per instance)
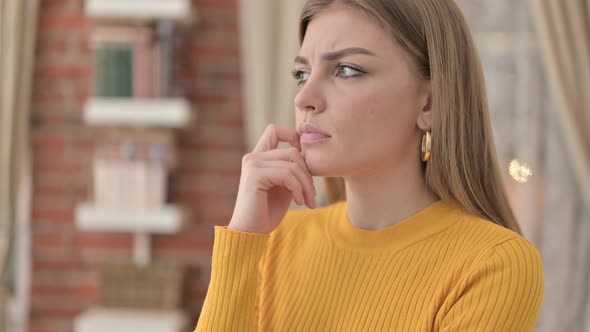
(426, 145)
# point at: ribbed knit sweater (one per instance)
(441, 269)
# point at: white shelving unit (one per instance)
(163, 113)
(127, 112)
(168, 113)
(128, 320)
(178, 10)
(142, 223)
(167, 220)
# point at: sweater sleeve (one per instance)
(503, 292)
(231, 300)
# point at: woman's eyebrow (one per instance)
(331, 56)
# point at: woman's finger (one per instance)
(276, 174)
(291, 169)
(273, 135)
(291, 155)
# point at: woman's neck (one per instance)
(380, 199)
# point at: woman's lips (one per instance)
(311, 138)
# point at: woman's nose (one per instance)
(310, 98)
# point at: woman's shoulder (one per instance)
(483, 239)
(493, 263)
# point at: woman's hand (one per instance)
(271, 178)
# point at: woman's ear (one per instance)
(425, 115)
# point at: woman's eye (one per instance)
(342, 71)
(300, 76)
(346, 71)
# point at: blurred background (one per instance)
(123, 124)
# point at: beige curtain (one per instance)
(564, 35)
(269, 43)
(17, 35)
(564, 38)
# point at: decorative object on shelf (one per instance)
(157, 286)
(135, 61)
(131, 171)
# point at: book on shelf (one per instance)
(113, 71)
(132, 173)
(133, 61)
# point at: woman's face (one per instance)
(357, 86)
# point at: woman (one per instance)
(392, 99)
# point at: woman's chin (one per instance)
(314, 168)
(319, 167)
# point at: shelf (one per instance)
(167, 220)
(123, 320)
(139, 9)
(172, 112)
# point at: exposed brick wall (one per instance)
(65, 260)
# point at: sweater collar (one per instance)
(432, 220)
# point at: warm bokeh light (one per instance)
(519, 171)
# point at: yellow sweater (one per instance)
(439, 270)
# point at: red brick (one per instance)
(226, 137)
(69, 72)
(59, 168)
(51, 45)
(203, 38)
(48, 240)
(192, 170)
(84, 47)
(210, 182)
(80, 292)
(53, 144)
(230, 27)
(235, 124)
(43, 87)
(42, 96)
(55, 119)
(102, 240)
(214, 51)
(55, 7)
(49, 189)
(82, 94)
(191, 195)
(55, 215)
(42, 326)
(225, 109)
(41, 264)
(182, 242)
(225, 4)
(187, 147)
(219, 65)
(212, 86)
(197, 292)
(52, 308)
(76, 185)
(62, 22)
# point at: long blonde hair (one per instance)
(463, 168)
